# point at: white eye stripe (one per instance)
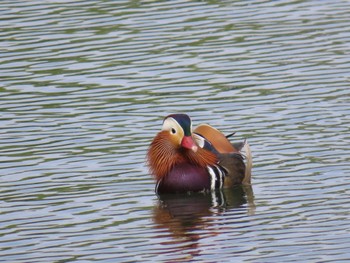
(170, 123)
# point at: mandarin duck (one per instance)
(183, 160)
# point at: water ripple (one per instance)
(84, 88)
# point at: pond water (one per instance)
(85, 86)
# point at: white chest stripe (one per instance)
(221, 175)
(213, 178)
(157, 185)
(217, 177)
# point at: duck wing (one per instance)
(215, 138)
(229, 154)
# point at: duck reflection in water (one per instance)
(188, 217)
(200, 175)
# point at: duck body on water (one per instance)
(183, 160)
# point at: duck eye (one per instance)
(173, 131)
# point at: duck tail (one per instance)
(249, 163)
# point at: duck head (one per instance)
(179, 129)
(175, 144)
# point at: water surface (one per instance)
(85, 85)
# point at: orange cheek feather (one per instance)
(165, 152)
(161, 154)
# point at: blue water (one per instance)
(84, 88)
